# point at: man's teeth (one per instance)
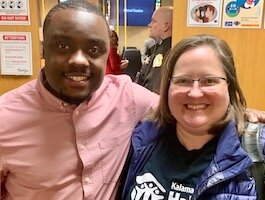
(196, 107)
(78, 78)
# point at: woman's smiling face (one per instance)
(197, 107)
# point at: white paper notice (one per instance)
(14, 12)
(205, 13)
(242, 14)
(16, 53)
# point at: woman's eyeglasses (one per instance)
(188, 82)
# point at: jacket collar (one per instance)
(142, 137)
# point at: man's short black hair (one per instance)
(73, 4)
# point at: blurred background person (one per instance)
(161, 31)
(209, 13)
(115, 63)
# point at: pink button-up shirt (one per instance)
(50, 150)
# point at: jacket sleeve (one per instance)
(262, 135)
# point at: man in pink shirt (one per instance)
(65, 136)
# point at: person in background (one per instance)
(115, 64)
(161, 31)
(209, 13)
(190, 147)
(65, 136)
(199, 14)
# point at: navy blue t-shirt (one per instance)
(172, 171)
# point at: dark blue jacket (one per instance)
(227, 176)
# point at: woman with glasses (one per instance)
(189, 148)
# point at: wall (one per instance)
(135, 37)
(247, 45)
(38, 10)
(9, 82)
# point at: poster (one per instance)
(14, 12)
(242, 13)
(204, 13)
(16, 53)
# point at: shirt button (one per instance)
(82, 146)
(63, 109)
(65, 104)
(86, 180)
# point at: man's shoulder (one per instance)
(117, 78)
(17, 93)
(112, 81)
(123, 87)
(120, 82)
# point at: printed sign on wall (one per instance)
(14, 12)
(242, 13)
(16, 53)
(205, 13)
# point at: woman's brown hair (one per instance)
(237, 101)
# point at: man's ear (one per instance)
(166, 27)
